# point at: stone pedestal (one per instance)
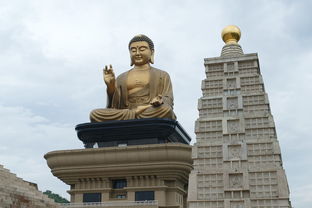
(161, 168)
(131, 132)
(156, 172)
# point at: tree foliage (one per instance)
(57, 198)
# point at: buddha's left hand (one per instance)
(157, 101)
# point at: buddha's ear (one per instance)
(131, 62)
(152, 58)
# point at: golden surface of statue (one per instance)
(141, 92)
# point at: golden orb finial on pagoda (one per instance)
(231, 34)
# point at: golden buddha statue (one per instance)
(141, 92)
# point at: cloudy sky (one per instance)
(52, 54)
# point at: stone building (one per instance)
(237, 158)
(17, 193)
(136, 163)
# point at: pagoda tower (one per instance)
(237, 158)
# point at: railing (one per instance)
(149, 203)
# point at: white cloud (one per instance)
(303, 194)
(25, 138)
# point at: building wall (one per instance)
(160, 168)
(237, 159)
(16, 193)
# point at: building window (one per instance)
(119, 184)
(121, 196)
(92, 197)
(144, 195)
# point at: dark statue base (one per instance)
(131, 132)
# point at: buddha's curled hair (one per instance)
(142, 37)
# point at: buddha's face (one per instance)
(140, 53)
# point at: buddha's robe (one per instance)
(122, 105)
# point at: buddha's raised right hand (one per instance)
(109, 79)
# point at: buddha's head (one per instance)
(141, 50)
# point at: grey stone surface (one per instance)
(17, 193)
(237, 158)
(231, 50)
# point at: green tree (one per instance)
(57, 198)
